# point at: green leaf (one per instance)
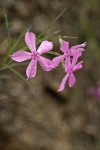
(7, 28)
(60, 39)
(53, 53)
(68, 37)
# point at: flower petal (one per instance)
(62, 85)
(67, 63)
(75, 58)
(31, 69)
(30, 40)
(71, 80)
(45, 47)
(45, 63)
(76, 51)
(78, 66)
(78, 46)
(21, 56)
(64, 46)
(56, 61)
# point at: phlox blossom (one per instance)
(34, 56)
(74, 50)
(70, 68)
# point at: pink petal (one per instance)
(71, 80)
(21, 56)
(30, 40)
(78, 66)
(45, 63)
(67, 63)
(64, 46)
(75, 58)
(79, 46)
(31, 69)
(62, 85)
(45, 47)
(76, 51)
(56, 61)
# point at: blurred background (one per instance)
(45, 119)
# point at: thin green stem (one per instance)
(49, 26)
(11, 65)
(53, 53)
(55, 33)
(7, 28)
(3, 76)
(14, 45)
(69, 37)
(20, 76)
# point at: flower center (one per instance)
(35, 55)
(67, 54)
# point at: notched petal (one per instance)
(44, 47)
(30, 40)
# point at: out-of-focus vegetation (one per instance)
(46, 119)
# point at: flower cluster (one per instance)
(70, 57)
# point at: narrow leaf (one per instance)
(50, 25)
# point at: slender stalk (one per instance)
(49, 26)
(10, 50)
(7, 28)
(20, 76)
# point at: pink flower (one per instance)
(69, 69)
(77, 49)
(34, 55)
(94, 91)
